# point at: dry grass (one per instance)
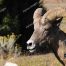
(34, 60)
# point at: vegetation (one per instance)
(34, 60)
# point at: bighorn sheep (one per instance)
(46, 28)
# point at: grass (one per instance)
(34, 60)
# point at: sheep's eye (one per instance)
(46, 29)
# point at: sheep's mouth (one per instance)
(31, 48)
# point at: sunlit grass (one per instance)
(34, 60)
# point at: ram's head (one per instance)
(43, 25)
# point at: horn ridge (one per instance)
(53, 14)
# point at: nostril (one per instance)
(30, 44)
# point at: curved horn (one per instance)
(53, 14)
(38, 13)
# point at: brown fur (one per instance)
(50, 32)
(46, 27)
(57, 43)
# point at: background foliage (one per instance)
(15, 15)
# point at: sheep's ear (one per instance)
(38, 13)
(45, 19)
